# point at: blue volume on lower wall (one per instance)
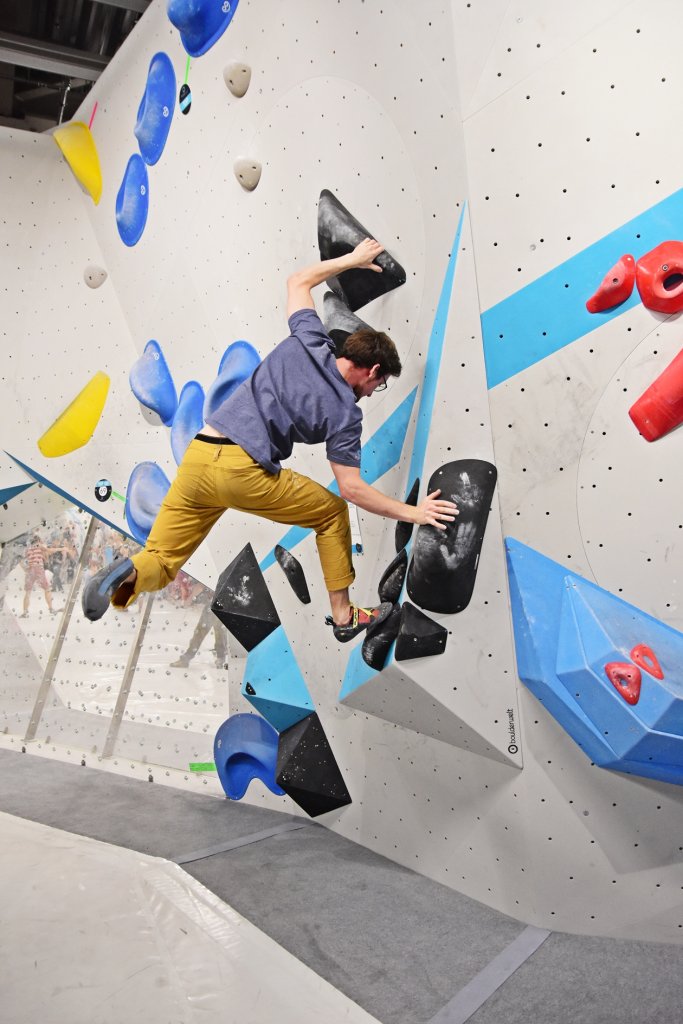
(280, 691)
(550, 313)
(566, 631)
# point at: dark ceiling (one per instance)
(51, 53)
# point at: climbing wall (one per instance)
(507, 156)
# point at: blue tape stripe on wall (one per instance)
(431, 371)
(357, 671)
(7, 493)
(69, 497)
(378, 455)
(551, 312)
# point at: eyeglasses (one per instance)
(383, 385)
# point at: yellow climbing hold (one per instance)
(78, 146)
(76, 425)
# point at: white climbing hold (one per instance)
(237, 77)
(247, 172)
(94, 276)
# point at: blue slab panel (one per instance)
(132, 201)
(188, 419)
(245, 748)
(551, 312)
(378, 455)
(565, 629)
(155, 112)
(281, 696)
(238, 363)
(201, 23)
(7, 493)
(147, 488)
(152, 384)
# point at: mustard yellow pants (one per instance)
(215, 477)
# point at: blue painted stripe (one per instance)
(551, 312)
(378, 455)
(357, 671)
(7, 493)
(433, 364)
(69, 497)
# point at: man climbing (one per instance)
(301, 393)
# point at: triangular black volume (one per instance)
(292, 569)
(404, 531)
(250, 690)
(418, 635)
(377, 644)
(444, 563)
(307, 770)
(391, 584)
(242, 601)
(338, 234)
(339, 321)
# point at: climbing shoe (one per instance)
(361, 618)
(100, 588)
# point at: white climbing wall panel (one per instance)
(408, 114)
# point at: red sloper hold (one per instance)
(625, 678)
(616, 286)
(659, 277)
(646, 658)
(660, 408)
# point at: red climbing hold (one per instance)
(625, 678)
(616, 286)
(659, 277)
(660, 408)
(646, 658)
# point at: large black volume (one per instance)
(242, 601)
(307, 770)
(444, 563)
(338, 234)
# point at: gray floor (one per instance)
(401, 946)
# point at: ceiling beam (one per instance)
(44, 56)
(139, 6)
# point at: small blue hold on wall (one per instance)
(155, 112)
(132, 201)
(201, 23)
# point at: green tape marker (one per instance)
(202, 766)
(187, 69)
(119, 496)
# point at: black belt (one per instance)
(213, 440)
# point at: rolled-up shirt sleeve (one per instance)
(344, 446)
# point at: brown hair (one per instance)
(368, 348)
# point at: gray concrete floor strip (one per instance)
(475, 993)
(234, 844)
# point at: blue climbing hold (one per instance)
(238, 363)
(147, 488)
(151, 383)
(245, 748)
(189, 418)
(132, 201)
(155, 112)
(200, 22)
